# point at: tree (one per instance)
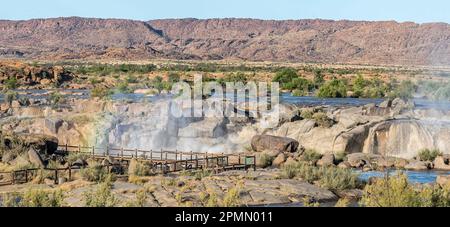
(285, 76)
(319, 79)
(405, 90)
(333, 89)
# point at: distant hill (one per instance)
(322, 41)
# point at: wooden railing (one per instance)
(159, 161)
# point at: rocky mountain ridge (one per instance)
(322, 41)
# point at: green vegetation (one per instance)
(56, 99)
(331, 178)
(405, 90)
(435, 90)
(397, 192)
(108, 69)
(233, 78)
(333, 89)
(290, 80)
(139, 169)
(311, 156)
(123, 88)
(285, 76)
(174, 77)
(429, 155)
(141, 199)
(374, 88)
(319, 79)
(11, 83)
(96, 173)
(34, 198)
(265, 160)
(101, 197)
(323, 120)
(101, 92)
(307, 114)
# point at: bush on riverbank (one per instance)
(333, 89)
(398, 192)
(331, 178)
(429, 155)
(101, 92)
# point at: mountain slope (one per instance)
(257, 40)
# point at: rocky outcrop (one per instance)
(442, 162)
(28, 75)
(443, 181)
(281, 144)
(418, 166)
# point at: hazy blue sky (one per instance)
(400, 10)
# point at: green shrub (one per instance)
(374, 88)
(340, 156)
(39, 198)
(298, 93)
(95, 80)
(11, 83)
(96, 173)
(331, 178)
(311, 156)
(123, 87)
(397, 192)
(307, 114)
(74, 156)
(174, 77)
(101, 197)
(34, 198)
(429, 155)
(131, 79)
(323, 120)
(265, 160)
(141, 199)
(11, 200)
(319, 79)
(405, 90)
(333, 89)
(101, 92)
(232, 197)
(285, 76)
(338, 179)
(139, 169)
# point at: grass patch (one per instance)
(96, 173)
(101, 197)
(34, 198)
(311, 156)
(331, 178)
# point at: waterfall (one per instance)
(151, 126)
(405, 138)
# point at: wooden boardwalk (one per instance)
(162, 162)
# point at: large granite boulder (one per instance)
(262, 143)
(442, 162)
